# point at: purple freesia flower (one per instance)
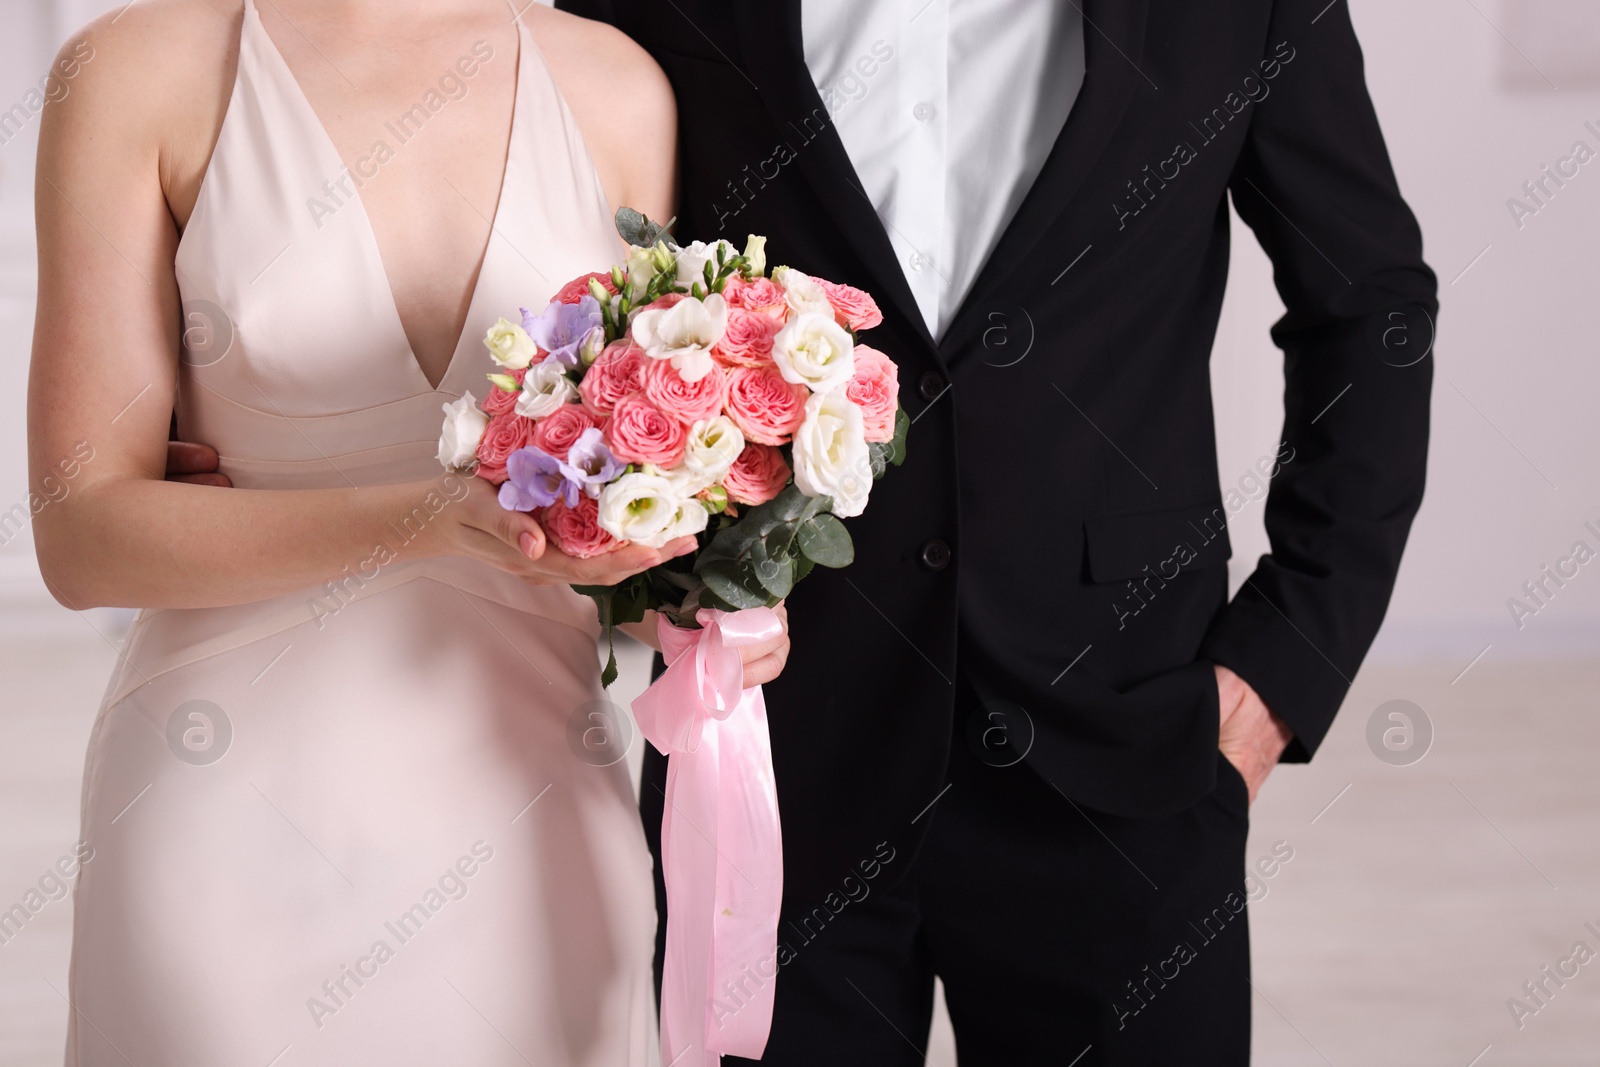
(536, 479)
(590, 463)
(561, 328)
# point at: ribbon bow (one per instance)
(721, 846)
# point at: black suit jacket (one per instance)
(1055, 541)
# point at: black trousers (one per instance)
(1063, 936)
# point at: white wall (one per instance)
(1516, 331)
(1468, 121)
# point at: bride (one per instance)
(336, 807)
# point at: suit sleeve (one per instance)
(1315, 184)
(599, 10)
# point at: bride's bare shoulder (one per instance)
(153, 75)
(600, 55)
(620, 97)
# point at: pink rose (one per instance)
(556, 432)
(684, 400)
(576, 531)
(747, 342)
(761, 295)
(875, 388)
(618, 372)
(758, 475)
(853, 307)
(498, 402)
(640, 432)
(766, 408)
(578, 288)
(504, 435)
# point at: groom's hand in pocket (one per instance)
(195, 464)
(1249, 734)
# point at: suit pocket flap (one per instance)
(1167, 542)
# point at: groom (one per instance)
(1014, 741)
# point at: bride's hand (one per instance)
(764, 662)
(476, 526)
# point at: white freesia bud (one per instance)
(509, 345)
(648, 510)
(665, 260)
(463, 429)
(815, 351)
(692, 260)
(755, 250)
(830, 453)
(712, 447)
(802, 293)
(545, 388)
(683, 333)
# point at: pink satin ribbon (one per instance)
(721, 846)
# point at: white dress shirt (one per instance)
(947, 109)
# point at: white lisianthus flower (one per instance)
(649, 510)
(683, 333)
(545, 388)
(712, 447)
(463, 429)
(693, 258)
(802, 293)
(685, 480)
(830, 453)
(509, 345)
(814, 351)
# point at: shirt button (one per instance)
(936, 555)
(922, 112)
(918, 261)
(931, 386)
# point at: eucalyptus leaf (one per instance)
(636, 228)
(825, 542)
(776, 576)
(726, 581)
(732, 542)
(902, 427)
(878, 457)
(792, 505)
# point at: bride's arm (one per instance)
(105, 358)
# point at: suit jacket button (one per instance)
(936, 555)
(932, 386)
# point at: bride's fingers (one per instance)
(762, 649)
(615, 566)
(607, 569)
(765, 669)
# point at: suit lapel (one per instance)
(1113, 50)
(774, 51)
(775, 59)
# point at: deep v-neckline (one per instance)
(320, 130)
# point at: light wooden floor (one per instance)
(1418, 900)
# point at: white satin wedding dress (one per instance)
(348, 825)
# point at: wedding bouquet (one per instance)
(688, 392)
